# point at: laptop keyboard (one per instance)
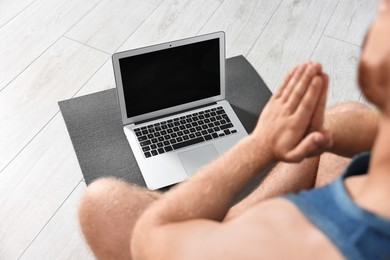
(183, 131)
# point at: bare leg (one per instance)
(283, 178)
(330, 167)
(108, 212)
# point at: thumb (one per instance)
(312, 144)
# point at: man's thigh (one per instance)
(330, 167)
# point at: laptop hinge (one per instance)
(176, 113)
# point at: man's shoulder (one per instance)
(275, 228)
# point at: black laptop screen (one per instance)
(170, 77)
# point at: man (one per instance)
(348, 218)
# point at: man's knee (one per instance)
(108, 198)
(347, 107)
(97, 199)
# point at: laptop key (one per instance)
(153, 146)
(215, 135)
(187, 143)
(147, 154)
(146, 148)
(168, 148)
(154, 152)
(223, 127)
(161, 150)
(144, 143)
(234, 131)
(142, 138)
(208, 137)
(160, 145)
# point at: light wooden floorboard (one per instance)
(242, 21)
(111, 23)
(102, 80)
(29, 34)
(64, 224)
(34, 186)
(9, 9)
(30, 101)
(174, 19)
(41, 186)
(351, 20)
(339, 59)
(290, 37)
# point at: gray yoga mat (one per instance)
(95, 127)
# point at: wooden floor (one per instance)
(51, 50)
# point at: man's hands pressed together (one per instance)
(292, 122)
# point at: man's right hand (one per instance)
(291, 125)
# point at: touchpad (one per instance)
(194, 159)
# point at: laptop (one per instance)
(172, 102)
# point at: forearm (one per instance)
(353, 126)
(211, 191)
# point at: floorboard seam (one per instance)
(341, 40)
(265, 26)
(18, 13)
(323, 31)
(47, 222)
(86, 45)
(210, 17)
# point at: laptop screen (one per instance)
(170, 77)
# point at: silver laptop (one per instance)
(174, 112)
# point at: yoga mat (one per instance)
(95, 127)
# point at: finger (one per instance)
(285, 81)
(293, 81)
(312, 144)
(301, 87)
(318, 116)
(306, 107)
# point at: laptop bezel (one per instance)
(147, 116)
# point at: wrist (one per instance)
(261, 149)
